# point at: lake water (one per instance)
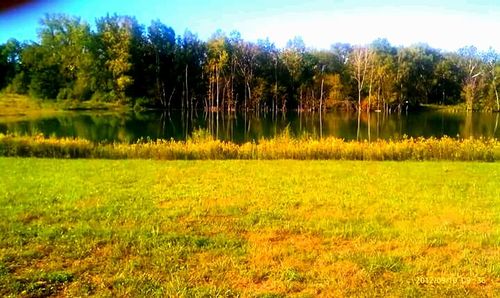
(98, 126)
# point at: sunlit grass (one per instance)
(281, 147)
(15, 106)
(248, 228)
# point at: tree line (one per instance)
(123, 61)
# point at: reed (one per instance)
(204, 147)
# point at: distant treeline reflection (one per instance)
(241, 127)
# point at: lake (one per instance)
(106, 126)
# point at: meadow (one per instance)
(260, 228)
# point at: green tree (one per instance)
(113, 57)
(162, 47)
(491, 60)
(65, 46)
(218, 58)
(43, 73)
(246, 55)
(192, 52)
(447, 84)
(382, 74)
(10, 54)
(293, 59)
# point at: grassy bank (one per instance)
(21, 105)
(437, 107)
(282, 147)
(461, 107)
(248, 228)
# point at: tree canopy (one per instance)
(124, 61)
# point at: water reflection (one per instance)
(246, 127)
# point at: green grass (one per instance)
(456, 107)
(248, 228)
(20, 105)
(15, 106)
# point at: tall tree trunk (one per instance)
(217, 88)
(359, 99)
(170, 98)
(369, 126)
(378, 98)
(232, 101)
(359, 125)
(187, 88)
(183, 97)
(370, 90)
(321, 96)
(496, 94)
(249, 93)
(496, 124)
(313, 97)
(300, 100)
(246, 94)
(276, 86)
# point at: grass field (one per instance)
(249, 228)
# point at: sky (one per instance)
(446, 24)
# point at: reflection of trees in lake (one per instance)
(247, 127)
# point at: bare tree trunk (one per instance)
(249, 92)
(321, 95)
(224, 98)
(300, 100)
(217, 86)
(245, 89)
(359, 125)
(187, 88)
(496, 125)
(207, 98)
(275, 86)
(359, 99)
(361, 65)
(170, 98)
(496, 94)
(370, 89)
(369, 127)
(378, 98)
(231, 101)
(312, 105)
(163, 95)
(212, 85)
(183, 97)
(158, 84)
(378, 125)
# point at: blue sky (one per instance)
(447, 24)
